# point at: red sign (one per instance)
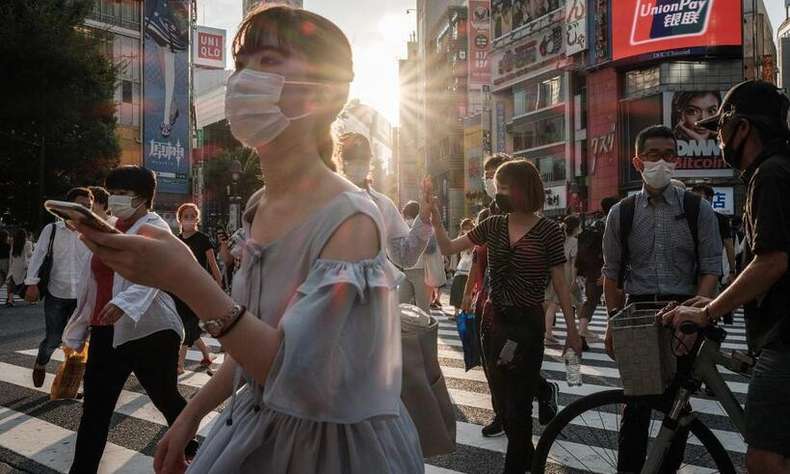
(652, 26)
(209, 47)
(479, 42)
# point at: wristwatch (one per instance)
(219, 326)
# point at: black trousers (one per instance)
(635, 421)
(152, 359)
(515, 385)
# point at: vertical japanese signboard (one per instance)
(479, 43)
(576, 28)
(166, 110)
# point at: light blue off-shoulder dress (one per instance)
(331, 403)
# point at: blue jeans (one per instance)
(57, 312)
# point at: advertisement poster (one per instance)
(510, 15)
(576, 34)
(166, 131)
(479, 43)
(657, 26)
(698, 149)
(209, 48)
(541, 49)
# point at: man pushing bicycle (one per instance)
(754, 139)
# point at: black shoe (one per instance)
(585, 346)
(493, 429)
(547, 409)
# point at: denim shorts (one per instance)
(767, 406)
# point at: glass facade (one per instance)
(128, 92)
(123, 13)
(537, 95)
(538, 132)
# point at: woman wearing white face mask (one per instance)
(312, 331)
(188, 216)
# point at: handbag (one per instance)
(72, 369)
(470, 338)
(45, 269)
(423, 389)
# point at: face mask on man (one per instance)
(121, 206)
(490, 187)
(657, 174)
(504, 203)
(732, 155)
(252, 106)
(357, 172)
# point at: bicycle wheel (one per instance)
(583, 438)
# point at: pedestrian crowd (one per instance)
(306, 297)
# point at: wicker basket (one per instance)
(643, 350)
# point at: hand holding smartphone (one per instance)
(71, 212)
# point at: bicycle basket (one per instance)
(643, 350)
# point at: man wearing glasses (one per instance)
(753, 136)
(659, 245)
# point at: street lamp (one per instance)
(235, 204)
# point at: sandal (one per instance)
(207, 361)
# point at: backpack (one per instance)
(691, 205)
(589, 258)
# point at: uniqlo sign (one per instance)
(655, 26)
(209, 47)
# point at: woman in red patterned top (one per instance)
(525, 253)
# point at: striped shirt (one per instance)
(662, 260)
(520, 273)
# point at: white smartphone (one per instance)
(73, 212)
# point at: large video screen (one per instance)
(641, 27)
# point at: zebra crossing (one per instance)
(43, 432)
(4, 296)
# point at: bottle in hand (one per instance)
(573, 368)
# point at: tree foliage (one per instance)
(217, 175)
(57, 89)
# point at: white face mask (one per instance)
(251, 106)
(121, 206)
(490, 187)
(658, 173)
(357, 172)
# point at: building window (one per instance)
(642, 81)
(123, 13)
(538, 95)
(552, 168)
(537, 133)
(126, 92)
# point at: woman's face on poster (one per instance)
(700, 108)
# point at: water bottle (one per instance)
(573, 368)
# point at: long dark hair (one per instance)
(20, 237)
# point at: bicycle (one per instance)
(597, 414)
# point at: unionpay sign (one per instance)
(655, 26)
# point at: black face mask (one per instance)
(504, 203)
(733, 156)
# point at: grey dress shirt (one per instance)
(662, 258)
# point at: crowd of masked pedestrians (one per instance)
(323, 262)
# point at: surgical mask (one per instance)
(504, 203)
(121, 206)
(357, 172)
(252, 106)
(188, 224)
(733, 156)
(490, 187)
(657, 174)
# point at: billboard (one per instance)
(511, 15)
(655, 26)
(166, 108)
(698, 148)
(208, 50)
(540, 49)
(479, 43)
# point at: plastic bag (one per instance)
(470, 338)
(69, 377)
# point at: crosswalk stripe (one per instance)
(137, 406)
(52, 446)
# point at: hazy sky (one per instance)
(378, 31)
